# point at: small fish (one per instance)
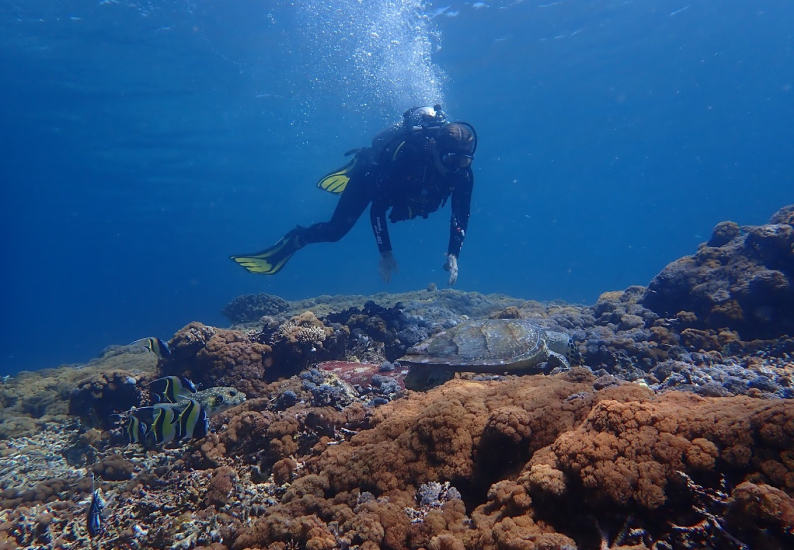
(94, 515)
(154, 345)
(165, 426)
(135, 429)
(193, 421)
(218, 399)
(166, 422)
(170, 389)
(185, 419)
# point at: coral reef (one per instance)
(218, 357)
(250, 308)
(742, 280)
(385, 379)
(379, 324)
(678, 431)
(529, 457)
(103, 394)
(30, 400)
(301, 340)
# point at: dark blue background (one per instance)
(142, 145)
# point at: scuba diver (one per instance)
(411, 170)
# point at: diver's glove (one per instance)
(452, 266)
(387, 266)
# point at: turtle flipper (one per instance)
(558, 361)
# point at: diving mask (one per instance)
(456, 160)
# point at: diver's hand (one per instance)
(452, 266)
(387, 266)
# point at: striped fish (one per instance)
(155, 346)
(171, 389)
(185, 419)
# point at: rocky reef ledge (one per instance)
(677, 431)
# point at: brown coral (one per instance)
(305, 328)
(114, 468)
(567, 442)
(743, 280)
(632, 451)
(762, 504)
(220, 487)
(530, 457)
(217, 357)
(437, 435)
(105, 385)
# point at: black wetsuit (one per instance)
(399, 175)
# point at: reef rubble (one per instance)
(677, 431)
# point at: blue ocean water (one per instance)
(143, 142)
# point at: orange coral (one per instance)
(631, 451)
(528, 454)
(437, 435)
(565, 441)
(217, 357)
(220, 487)
(771, 507)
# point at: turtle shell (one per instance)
(484, 345)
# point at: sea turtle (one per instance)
(489, 345)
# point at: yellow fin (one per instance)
(336, 181)
(271, 260)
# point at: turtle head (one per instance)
(572, 352)
(564, 344)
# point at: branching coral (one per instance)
(302, 334)
(303, 329)
(302, 340)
